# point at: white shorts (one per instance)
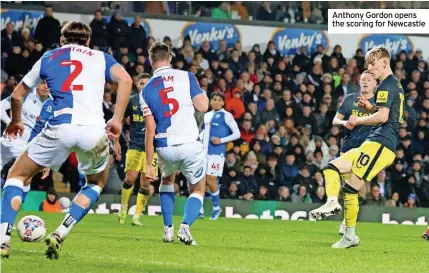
(215, 165)
(10, 150)
(53, 145)
(189, 158)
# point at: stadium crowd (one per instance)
(284, 106)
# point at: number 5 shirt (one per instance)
(168, 97)
(76, 76)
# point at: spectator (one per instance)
(301, 59)
(100, 34)
(48, 30)
(301, 196)
(9, 39)
(394, 201)
(382, 183)
(239, 11)
(284, 194)
(337, 53)
(320, 120)
(320, 196)
(271, 51)
(107, 104)
(263, 193)
(247, 182)
(14, 63)
(265, 13)
(235, 105)
(139, 36)
(411, 202)
(119, 31)
(288, 171)
(222, 12)
(231, 192)
(374, 198)
(50, 204)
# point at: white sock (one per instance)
(344, 222)
(6, 231)
(66, 226)
(332, 199)
(350, 232)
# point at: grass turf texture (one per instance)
(100, 244)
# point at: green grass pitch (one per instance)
(100, 244)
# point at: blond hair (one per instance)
(376, 53)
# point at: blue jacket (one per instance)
(288, 174)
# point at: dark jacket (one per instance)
(48, 31)
(8, 43)
(264, 15)
(247, 185)
(138, 37)
(14, 65)
(118, 33)
(100, 34)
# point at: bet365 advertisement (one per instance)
(262, 210)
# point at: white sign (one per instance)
(378, 21)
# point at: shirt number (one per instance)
(167, 101)
(68, 83)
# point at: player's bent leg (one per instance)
(12, 196)
(80, 206)
(214, 191)
(126, 190)
(331, 207)
(142, 198)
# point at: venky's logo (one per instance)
(212, 32)
(289, 40)
(393, 43)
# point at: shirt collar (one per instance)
(160, 69)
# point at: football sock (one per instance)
(333, 182)
(125, 195)
(166, 196)
(25, 190)
(77, 212)
(216, 200)
(192, 208)
(10, 204)
(351, 208)
(142, 198)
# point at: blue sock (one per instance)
(166, 196)
(192, 208)
(92, 192)
(76, 212)
(216, 200)
(13, 188)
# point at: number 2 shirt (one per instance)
(168, 97)
(76, 76)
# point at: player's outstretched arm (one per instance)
(339, 120)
